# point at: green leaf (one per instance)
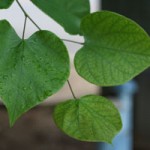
(68, 13)
(116, 49)
(5, 3)
(30, 70)
(90, 118)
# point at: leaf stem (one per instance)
(26, 14)
(24, 28)
(73, 41)
(71, 90)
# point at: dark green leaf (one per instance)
(30, 70)
(90, 118)
(67, 13)
(116, 49)
(5, 3)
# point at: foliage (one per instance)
(67, 13)
(5, 3)
(115, 50)
(31, 69)
(90, 118)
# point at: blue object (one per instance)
(124, 140)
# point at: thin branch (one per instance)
(26, 14)
(73, 41)
(71, 90)
(24, 28)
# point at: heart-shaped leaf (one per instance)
(116, 49)
(90, 118)
(30, 70)
(67, 13)
(5, 3)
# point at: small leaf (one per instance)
(116, 49)
(30, 70)
(5, 3)
(68, 13)
(90, 118)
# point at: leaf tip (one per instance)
(12, 121)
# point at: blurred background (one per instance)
(36, 129)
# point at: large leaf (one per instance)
(116, 49)
(67, 13)
(90, 118)
(5, 3)
(30, 70)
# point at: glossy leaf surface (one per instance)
(90, 118)
(30, 70)
(116, 49)
(67, 13)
